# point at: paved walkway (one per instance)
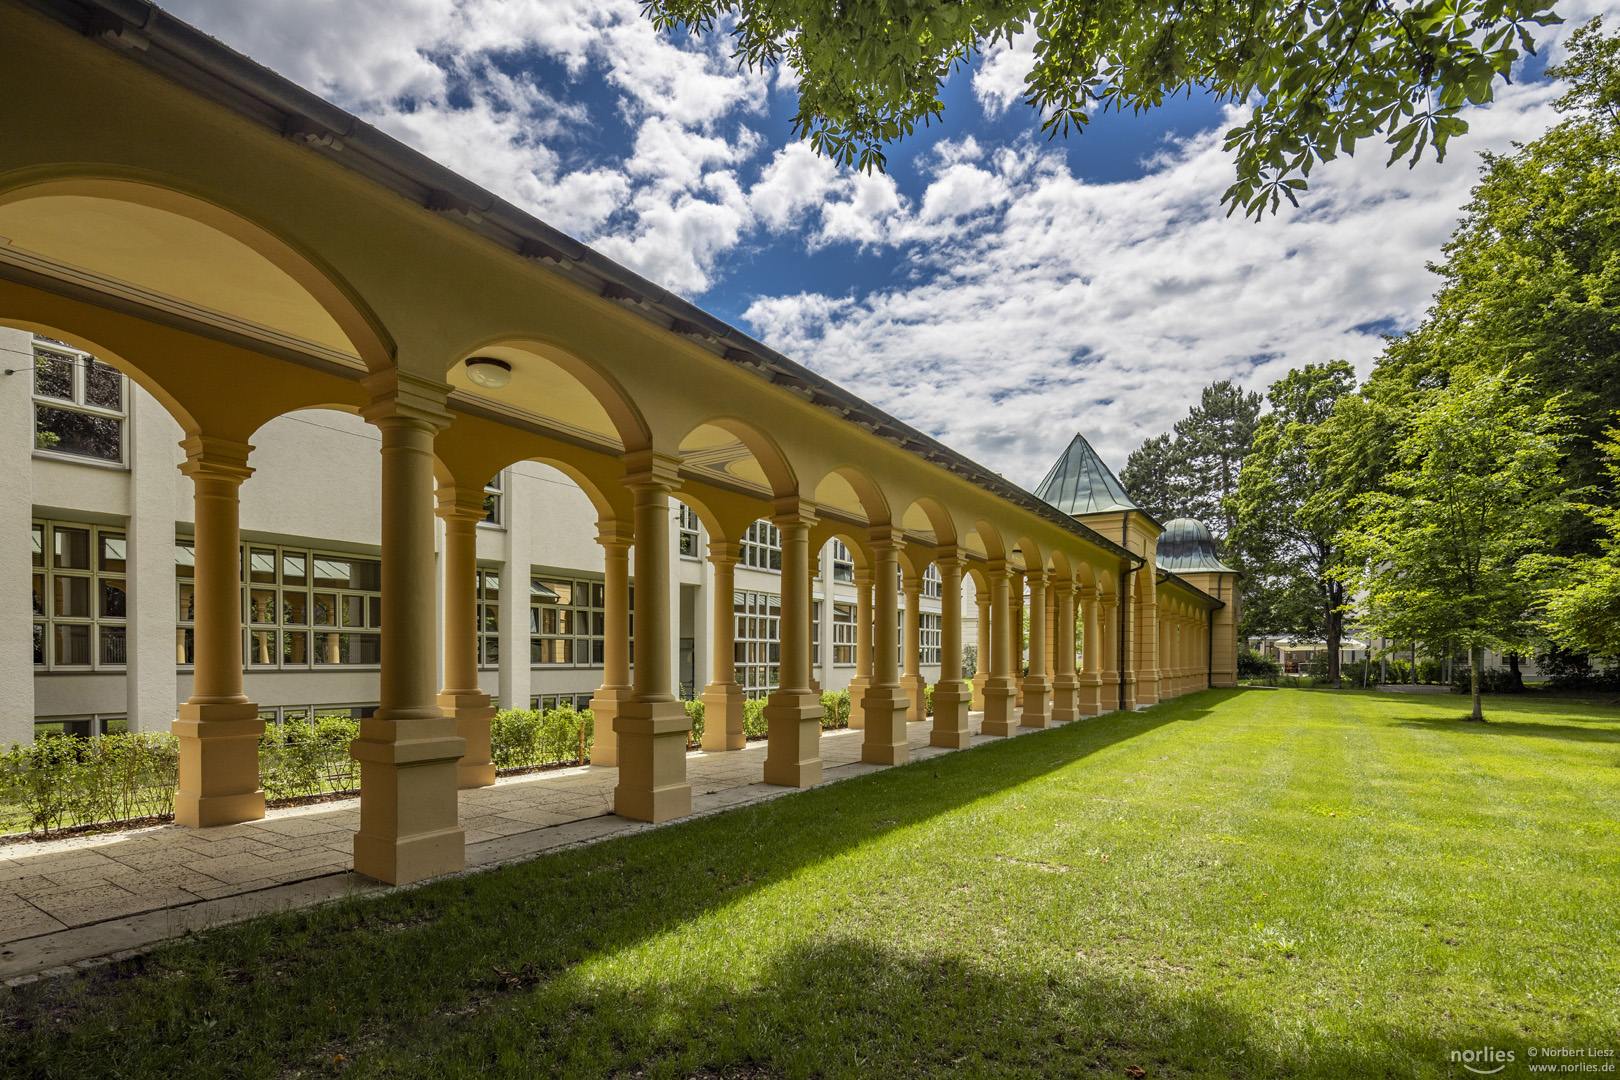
(84, 900)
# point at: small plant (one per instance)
(694, 713)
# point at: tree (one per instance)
(1323, 74)
(1290, 507)
(1155, 476)
(1193, 471)
(1215, 437)
(1531, 277)
(1582, 609)
(1435, 554)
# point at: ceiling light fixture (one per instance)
(488, 372)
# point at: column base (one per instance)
(1065, 699)
(723, 707)
(977, 704)
(1036, 711)
(1000, 712)
(916, 688)
(652, 761)
(951, 701)
(409, 827)
(219, 764)
(1090, 695)
(472, 714)
(1018, 692)
(604, 709)
(885, 742)
(857, 707)
(793, 755)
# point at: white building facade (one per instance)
(96, 496)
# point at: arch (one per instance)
(1030, 551)
(849, 488)
(990, 537)
(1107, 583)
(1058, 564)
(173, 406)
(829, 529)
(1085, 576)
(976, 572)
(473, 449)
(926, 508)
(65, 222)
(559, 386)
(731, 449)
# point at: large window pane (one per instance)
(185, 560)
(39, 594)
(73, 644)
(72, 548)
(39, 544)
(184, 650)
(188, 602)
(72, 597)
(39, 643)
(113, 599)
(262, 566)
(325, 610)
(262, 605)
(53, 376)
(294, 568)
(81, 434)
(295, 648)
(262, 647)
(354, 611)
(295, 608)
(113, 552)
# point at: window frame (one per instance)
(689, 540)
(82, 364)
(757, 641)
(762, 548)
(844, 630)
(495, 502)
(587, 608)
(45, 618)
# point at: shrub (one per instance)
(1491, 681)
(529, 738)
(928, 700)
(62, 780)
(970, 660)
(754, 725)
(694, 713)
(1254, 667)
(300, 760)
(834, 709)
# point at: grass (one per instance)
(1234, 884)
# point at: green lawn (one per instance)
(1236, 884)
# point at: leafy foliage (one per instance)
(1193, 470)
(1435, 554)
(1324, 74)
(1582, 609)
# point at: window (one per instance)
(932, 586)
(281, 718)
(567, 621)
(843, 629)
(80, 596)
(843, 562)
(304, 608)
(815, 633)
(494, 501)
(758, 642)
(489, 618)
(79, 405)
(762, 547)
(929, 635)
(689, 532)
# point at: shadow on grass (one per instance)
(1570, 730)
(411, 969)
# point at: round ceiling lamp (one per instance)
(488, 372)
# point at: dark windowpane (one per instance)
(295, 648)
(325, 610)
(72, 597)
(295, 608)
(262, 605)
(39, 643)
(103, 387)
(73, 644)
(72, 547)
(492, 651)
(262, 647)
(113, 599)
(53, 376)
(39, 545)
(39, 594)
(331, 573)
(112, 645)
(65, 432)
(366, 574)
(184, 652)
(188, 602)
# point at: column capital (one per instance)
(791, 510)
(949, 555)
(911, 584)
(612, 533)
(221, 459)
(885, 538)
(400, 395)
(725, 552)
(1109, 600)
(1086, 592)
(651, 469)
(1037, 577)
(1065, 586)
(997, 568)
(459, 503)
(864, 576)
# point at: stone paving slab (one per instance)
(83, 899)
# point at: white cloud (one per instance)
(999, 80)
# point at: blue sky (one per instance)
(995, 288)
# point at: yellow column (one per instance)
(1037, 684)
(915, 684)
(408, 749)
(1144, 616)
(1000, 691)
(1065, 682)
(218, 727)
(615, 538)
(1113, 684)
(863, 647)
(461, 698)
(951, 696)
(652, 725)
(886, 701)
(1091, 648)
(981, 658)
(723, 700)
(1016, 641)
(793, 712)
(810, 622)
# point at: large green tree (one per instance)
(1436, 553)
(1531, 278)
(1323, 75)
(1581, 608)
(1291, 506)
(1193, 470)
